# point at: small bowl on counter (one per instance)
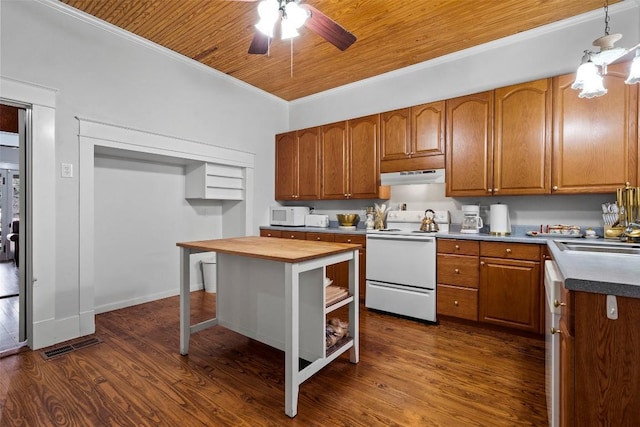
(348, 220)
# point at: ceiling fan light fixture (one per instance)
(295, 14)
(269, 12)
(289, 30)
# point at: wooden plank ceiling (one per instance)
(391, 34)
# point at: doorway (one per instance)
(11, 127)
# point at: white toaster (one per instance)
(316, 220)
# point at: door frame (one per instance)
(38, 203)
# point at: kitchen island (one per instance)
(273, 291)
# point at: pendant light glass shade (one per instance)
(586, 72)
(592, 87)
(634, 73)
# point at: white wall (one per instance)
(102, 75)
(548, 51)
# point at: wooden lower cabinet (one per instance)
(339, 273)
(457, 301)
(342, 269)
(271, 233)
(601, 362)
(510, 285)
(490, 282)
(509, 293)
(457, 278)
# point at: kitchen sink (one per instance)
(601, 248)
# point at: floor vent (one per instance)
(68, 348)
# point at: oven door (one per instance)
(402, 260)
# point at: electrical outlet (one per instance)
(66, 170)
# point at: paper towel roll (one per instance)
(500, 224)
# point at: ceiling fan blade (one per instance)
(327, 28)
(259, 44)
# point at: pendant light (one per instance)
(589, 77)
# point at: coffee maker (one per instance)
(471, 221)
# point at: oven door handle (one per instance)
(400, 237)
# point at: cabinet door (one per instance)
(342, 269)
(308, 164)
(427, 129)
(594, 140)
(286, 166)
(509, 293)
(469, 141)
(335, 161)
(364, 172)
(395, 134)
(522, 151)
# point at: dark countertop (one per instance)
(331, 229)
(588, 272)
(600, 273)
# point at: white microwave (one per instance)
(290, 216)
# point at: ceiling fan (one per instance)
(292, 15)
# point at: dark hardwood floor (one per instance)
(410, 374)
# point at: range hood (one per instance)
(428, 176)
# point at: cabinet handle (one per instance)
(495, 190)
(457, 271)
(348, 240)
(292, 236)
(317, 238)
(554, 188)
(554, 331)
(557, 303)
(457, 246)
(268, 234)
(489, 190)
(456, 303)
(508, 250)
(481, 262)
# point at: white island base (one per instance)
(277, 296)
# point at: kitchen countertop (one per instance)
(601, 273)
(588, 272)
(315, 229)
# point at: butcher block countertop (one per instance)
(284, 250)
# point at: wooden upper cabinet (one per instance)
(350, 159)
(364, 175)
(286, 166)
(522, 144)
(297, 165)
(412, 138)
(469, 141)
(335, 161)
(395, 134)
(595, 141)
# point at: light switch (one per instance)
(66, 170)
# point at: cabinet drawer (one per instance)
(301, 235)
(510, 250)
(320, 237)
(270, 233)
(457, 302)
(458, 270)
(351, 238)
(458, 247)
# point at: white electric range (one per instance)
(401, 265)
